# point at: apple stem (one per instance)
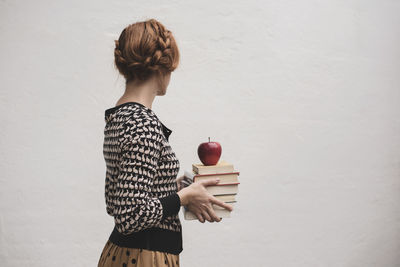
(208, 139)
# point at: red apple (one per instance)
(209, 152)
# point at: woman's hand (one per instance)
(198, 200)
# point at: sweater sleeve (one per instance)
(136, 209)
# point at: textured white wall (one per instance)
(302, 95)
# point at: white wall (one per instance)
(302, 95)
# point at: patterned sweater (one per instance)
(140, 186)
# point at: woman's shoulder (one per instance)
(129, 111)
(131, 122)
(140, 119)
(137, 122)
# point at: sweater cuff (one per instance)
(171, 204)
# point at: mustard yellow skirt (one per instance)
(114, 255)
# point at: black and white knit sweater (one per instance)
(140, 183)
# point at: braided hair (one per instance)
(145, 48)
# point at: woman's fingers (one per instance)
(211, 181)
(202, 202)
(220, 203)
(212, 214)
(200, 217)
(205, 214)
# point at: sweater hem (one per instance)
(156, 239)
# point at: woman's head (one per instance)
(145, 49)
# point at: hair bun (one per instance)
(144, 48)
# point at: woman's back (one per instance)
(140, 183)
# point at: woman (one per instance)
(142, 191)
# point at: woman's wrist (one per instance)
(184, 195)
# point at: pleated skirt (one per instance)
(113, 255)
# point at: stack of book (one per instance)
(226, 190)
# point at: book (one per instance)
(215, 206)
(221, 167)
(225, 178)
(223, 189)
(219, 211)
(231, 198)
